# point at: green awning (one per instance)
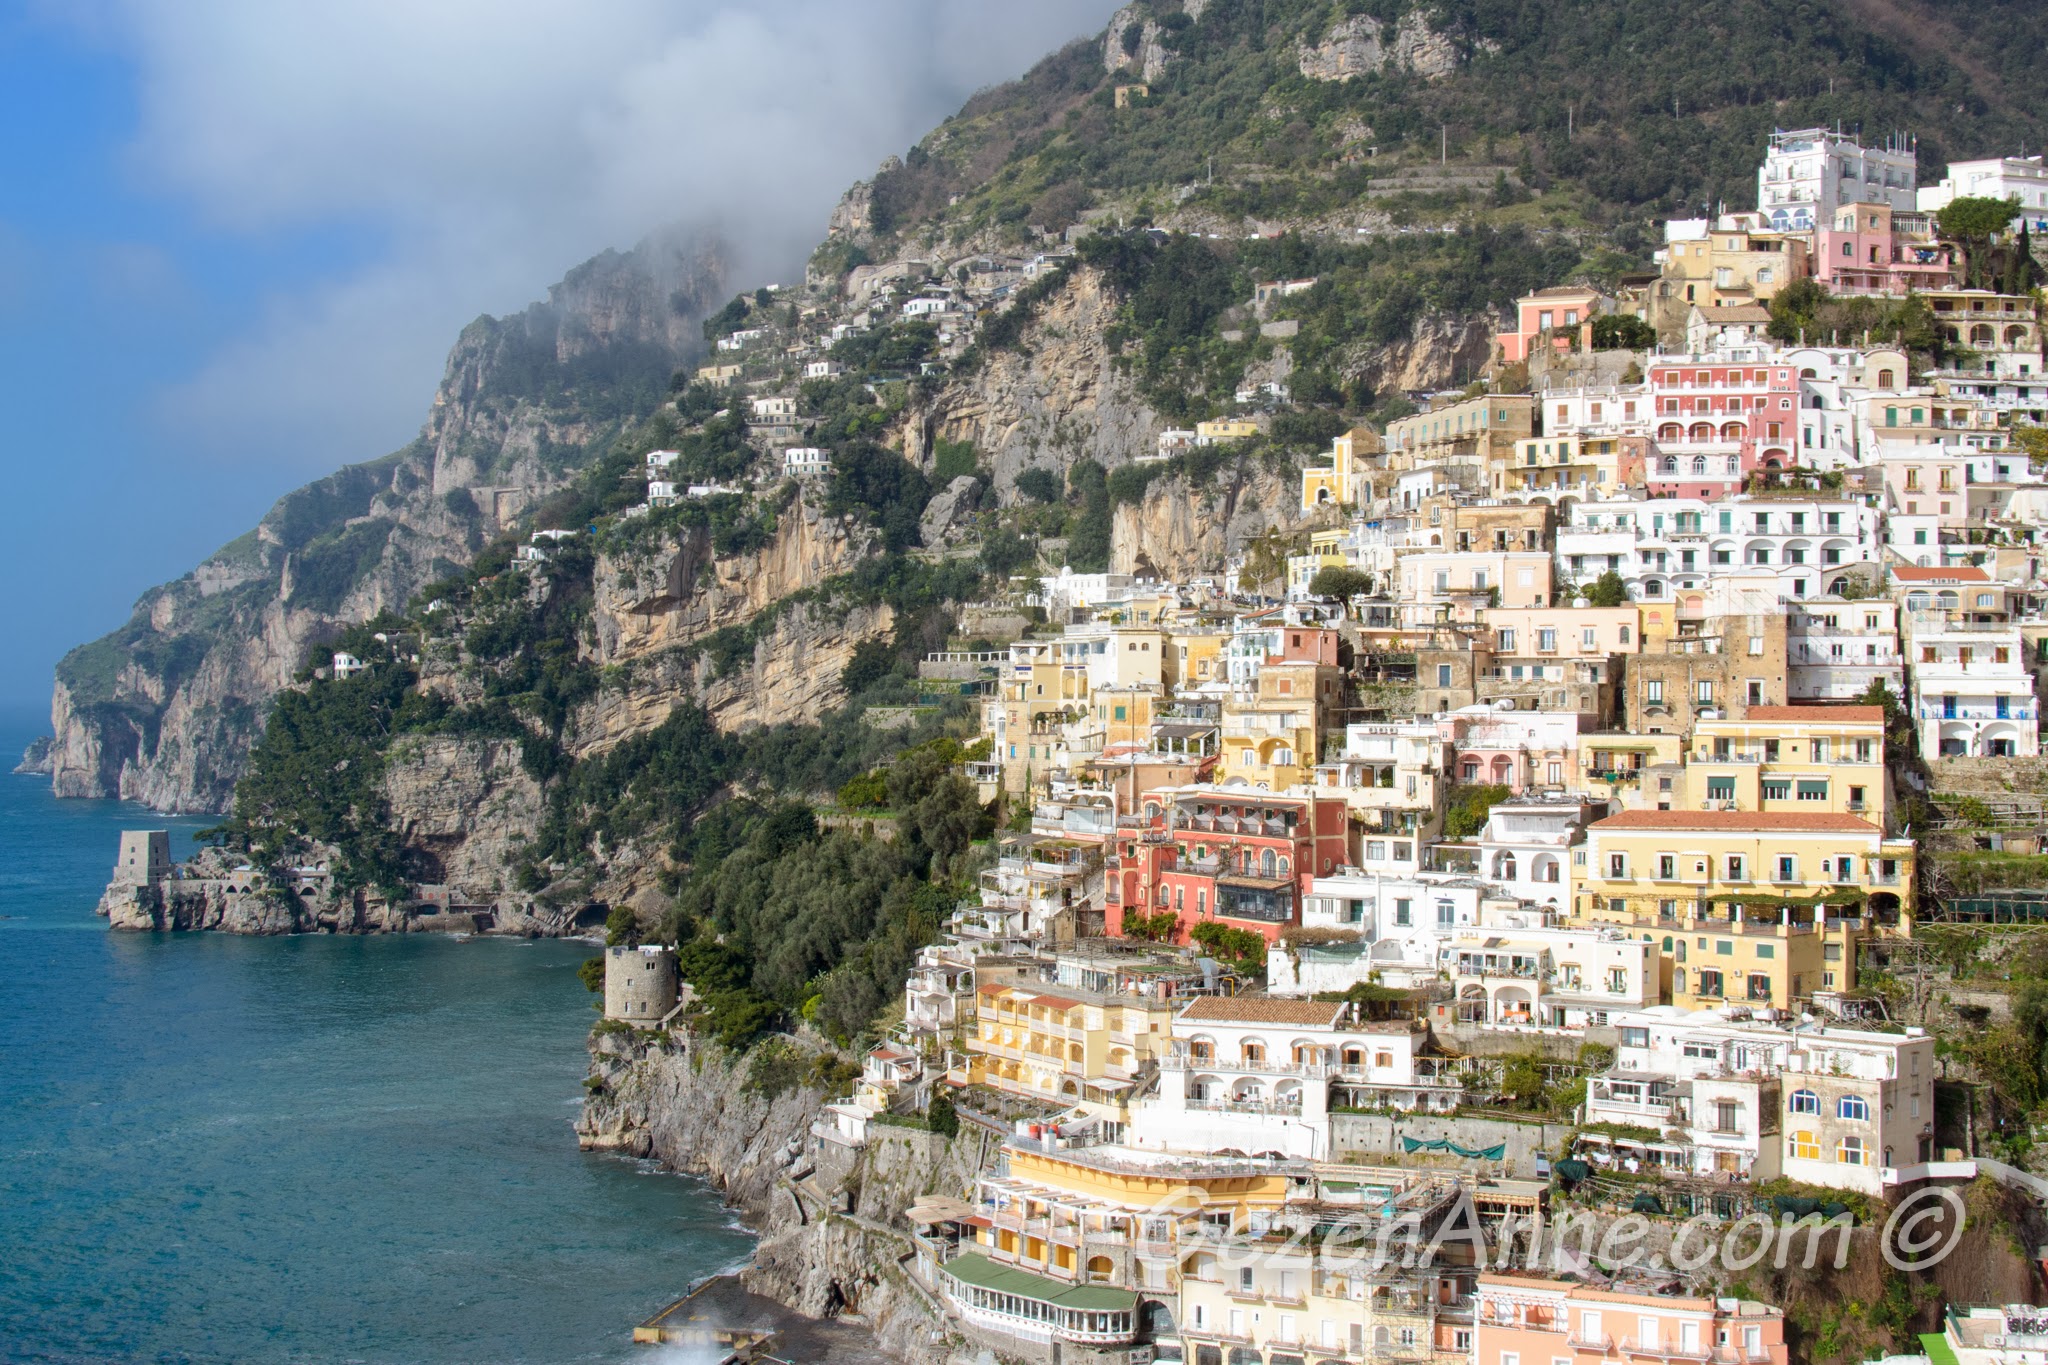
(1936, 1348)
(976, 1269)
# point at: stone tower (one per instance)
(145, 857)
(640, 984)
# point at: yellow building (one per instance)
(1325, 551)
(1757, 908)
(1194, 656)
(1272, 740)
(717, 374)
(1347, 481)
(1065, 1046)
(1590, 465)
(1108, 1215)
(1723, 268)
(1790, 760)
(1225, 429)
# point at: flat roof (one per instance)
(1761, 822)
(1811, 714)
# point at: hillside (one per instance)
(1350, 126)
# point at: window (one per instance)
(1804, 1148)
(1507, 640)
(1617, 866)
(1737, 870)
(1803, 1102)
(1667, 867)
(1788, 868)
(1850, 1152)
(1653, 691)
(1443, 675)
(1852, 1107)
(1446, 913)
(1402, 909)
(1705, 693)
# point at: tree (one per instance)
(1972, 223)
(1795, 309)
(591, 973)
(1243, 949)
(941, 1117)
(621, 926)
(1039, 484)
(1466, 811)
(2034, 440)
(1340, 581)
(1622, 332)
(1607, 591)
(1157, 927)
(1265, 559)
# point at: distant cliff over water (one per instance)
(163, 710)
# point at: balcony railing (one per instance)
(1976, 713)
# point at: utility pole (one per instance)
(1570, 110)
(1444, 155)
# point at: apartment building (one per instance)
(1476, 434)
(1440, 585)
(1788, 760)
(1271, 738)
(1524, 751)
(1760, 908)
(1355, 458)
(1391, 776)
(1972, 694)
(1526, 1320)
(1525, 847)
(1234, 854)
(1857, 1104)
(1875, 249)
(1260, 1074)
(1558, 319)
(1836, 648)
(2001, 329)
(1718, 417)
(1664, 546)
(1550, 977)
(1808, 174)
(1721, 662)
(1063, 1045)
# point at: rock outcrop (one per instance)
(163, 711)
(1055, 399)
(462, 807)
(1361, 45)
(1132, 44)
(830, 1219)
(1178, 531)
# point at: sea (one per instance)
(315, 1148)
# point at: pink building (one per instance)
(1867, 249)
(1525, 1320)
(1560, 317)
(1306, 645)
(1719, 418)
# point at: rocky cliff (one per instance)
(164, 709)
(1055, 398)
(830, 1220)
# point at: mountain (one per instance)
(164, 709)
(1427, 160)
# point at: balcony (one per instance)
(1976, 713)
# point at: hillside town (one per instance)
(1542, 828)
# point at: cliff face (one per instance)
(830, 1220)
(1055, 399)
(1178, 531)
(163, 710)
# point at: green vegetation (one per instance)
(1340, 582)
(1467, 806)
(1607, 590)
(1242, 950)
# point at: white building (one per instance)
(1548, 977)
(1660, 546)
(1525, 849)
(803, 461)
(1998, 177)
(1834, 649)
(823, 369)
(1257, 1075)
(1971, 692)
(774, 408)
(1806, 175)
(347, 665)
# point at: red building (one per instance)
(1717, 421)
(1238, 855)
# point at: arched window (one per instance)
(1803, 1102)
(1850, 1152)
(1254, 1050)
(1699, 464)
(1266, 862)
(1504, 867)
(1653, 587)
(1884, 379)
(1624, 634)
(1852, 1107)
(1804, 1148)
(1670, 464)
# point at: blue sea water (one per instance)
(317, 1148)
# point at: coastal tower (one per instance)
(640, 984)
(145, 857)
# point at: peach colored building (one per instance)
(1525, 1320)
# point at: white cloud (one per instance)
(489, 145)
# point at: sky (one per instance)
(237, 237)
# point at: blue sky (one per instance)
(237, 238)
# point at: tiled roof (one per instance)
(1961, 573)
(1761, 822)
(1812, 714)
(1261, 1009)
